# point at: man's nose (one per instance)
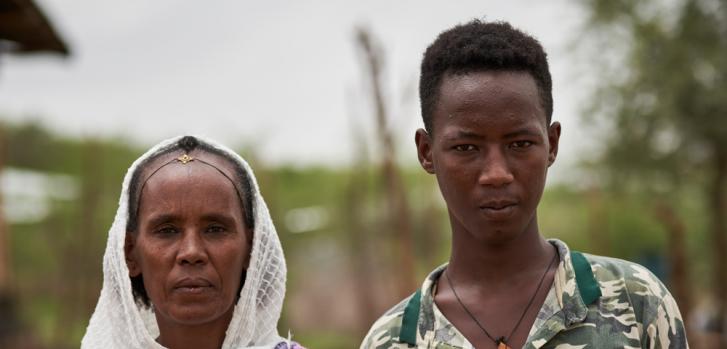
(495, 171)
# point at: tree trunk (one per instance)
(8, 323)
(678, 260)
(718, 209)
(598, 222)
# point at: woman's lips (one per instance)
(192, 286)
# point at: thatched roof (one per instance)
(26, 28)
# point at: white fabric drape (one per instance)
(119, 323)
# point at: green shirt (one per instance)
(618, 304)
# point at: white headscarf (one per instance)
(118, 322)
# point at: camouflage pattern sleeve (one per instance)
(663, 326)
(656, 311)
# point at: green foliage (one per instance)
(57, 262)
(661, 103)
(664, 100)
(583, 221)
(563, 214)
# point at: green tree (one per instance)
(664, 104)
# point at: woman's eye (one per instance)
(464, 147)
(216, 229)
(521, 144)
(166, 231)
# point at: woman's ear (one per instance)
(131, 263)
(248, 255)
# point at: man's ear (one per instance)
(424, 150)
(130, 255)
(553, 139)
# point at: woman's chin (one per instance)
(194, 314)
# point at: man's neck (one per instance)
(477, 263)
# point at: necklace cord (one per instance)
(532, 298)
(451, 285)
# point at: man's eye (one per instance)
(464, 147)
(521, 144)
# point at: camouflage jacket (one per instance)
(594, 302)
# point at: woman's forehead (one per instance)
(180, 157)
(189, 170)
(194, 188)
(195, 171)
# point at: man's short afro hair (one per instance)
(482, 46)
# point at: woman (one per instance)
(193, 259)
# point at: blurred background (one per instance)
(321, 98)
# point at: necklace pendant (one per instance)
(502, 345)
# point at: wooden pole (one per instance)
(5, 273)
(398, 208)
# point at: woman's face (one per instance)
(191, 245)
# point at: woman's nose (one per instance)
(192, 249)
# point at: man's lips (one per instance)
(498, 210)
(498, 204)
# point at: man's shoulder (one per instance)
(634, 277)
(635, 284)
(384, 333)
(630, 288)
(619, 276)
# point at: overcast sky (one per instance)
(283, 76)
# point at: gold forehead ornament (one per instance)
(184, 159)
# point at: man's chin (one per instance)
(498, 236)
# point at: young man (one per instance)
(486, 101)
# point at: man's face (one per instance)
(490, 150)
(192, 244)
